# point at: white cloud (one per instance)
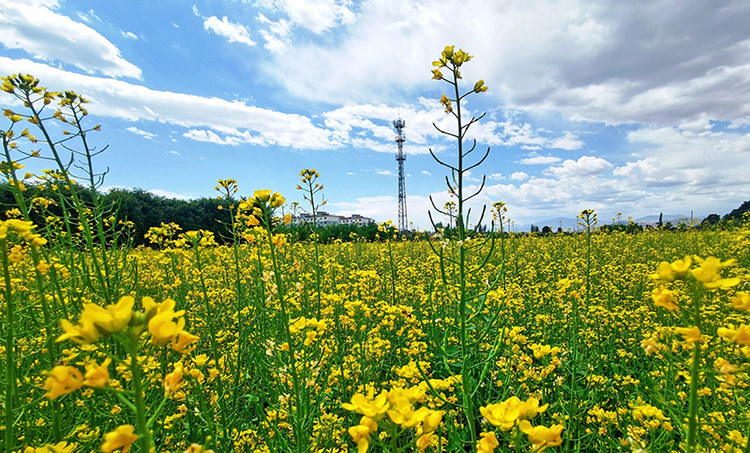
(52, 37)
(318, 16)
(142, 133)
(175, 153)
(705, 167)
(277, 34)
(168, 194)
(238, 120)
(513, 133)
(568, 141)
(129, 35)
(610, 62)
(426, 173)
(585, 166)
(519, 176)
(88, 17)
(233, 32)
(384, 172)
(539, 160)
(157, 192)
(232, 137)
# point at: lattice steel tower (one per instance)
(400, 124)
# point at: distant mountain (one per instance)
(571, 223)
(674, 218)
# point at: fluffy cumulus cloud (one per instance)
(350, 121)
(607, 61)
(236, 120)
(48, 36)
(585, 166)
(535, 159)
(708, 167)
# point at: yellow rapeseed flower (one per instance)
(62, 380)
(741, 301)
(402, 413)
(487, 443)
(690, 334)
(663, 297)
(60, 447)
(173, 381)
(97, 375)
(123, 438)
(541, 437)
(373, 408)
(163, 326)
(503, 415)
(708, 273)
(361, 433)
(741, 335)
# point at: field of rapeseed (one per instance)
(587, 342)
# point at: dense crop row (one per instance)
(374, 320)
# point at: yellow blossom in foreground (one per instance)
(173, 381)
(95, 321)
(690, 334)
(361, 433)
(541, 437)
(673, 271)
(372, 408)
(487, 443)
(97, 376)
(85, 332)
(163, 326)
(122, 437)
(530, 408)
(741, 301)
(663, 297)
(650, 345)
(740, 336)
(708, 273)
(61, 381)
(648, 411)
(184, 342)
(60, 447)
(503, 415)
(402, 413)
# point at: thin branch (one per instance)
(444, 132)
(440, 161)
(487, 153)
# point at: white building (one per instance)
(326, 219)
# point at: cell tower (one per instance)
(400, 124)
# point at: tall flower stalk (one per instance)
(469, 256)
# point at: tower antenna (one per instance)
(399, 125)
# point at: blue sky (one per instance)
(630, 107)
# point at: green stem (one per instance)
(296, 404)
(144, 435)
(694, 380)
(10, 359)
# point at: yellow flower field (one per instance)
(374, 341)
(459, 341)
